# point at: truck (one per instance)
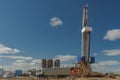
(53, 72)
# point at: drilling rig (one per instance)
(83, 64)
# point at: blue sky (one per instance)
(34, 29)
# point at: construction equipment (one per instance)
(83, 66)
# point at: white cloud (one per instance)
(16, 57)
(7, 50)
(31, 64)
(20, 57)
(19, 61)
(113, 52)
(36, 61)
(108, 63)
(106, 66)
(20, 64)
(65, 58)
(55, 22)
(112, 35)
(25, 65)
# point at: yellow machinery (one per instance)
(83, 67)
(80, 69)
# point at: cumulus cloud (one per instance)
(55, 22)
(113, 52)
(65, 58)
(112, 35)
(7, 50)
(22, 65)
(25, 65)
(19, 61)
(17, 57)
(36, 61)
(106, 66)
(108, 63)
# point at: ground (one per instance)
(68, 78)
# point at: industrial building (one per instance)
(57, 63)
(50, 63)
(43, 63)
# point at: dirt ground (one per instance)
(69, 78)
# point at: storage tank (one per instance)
(57, 63)
(43, 63)
(50, 63)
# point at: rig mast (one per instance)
(83, 65)
(86, 30)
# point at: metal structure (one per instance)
(85, 51)
(82, 67)
(86, 30)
